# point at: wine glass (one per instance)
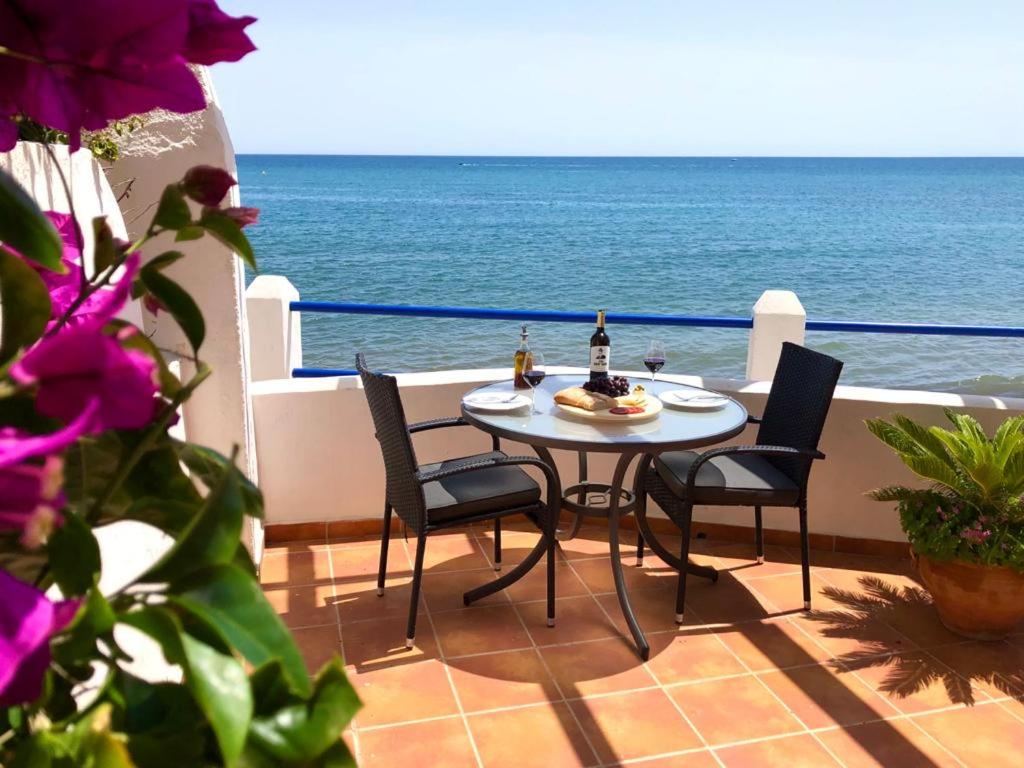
(655, 357)
(534, 375)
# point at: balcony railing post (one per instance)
(275, 333)
(778, 316)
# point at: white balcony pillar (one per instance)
(778, 316)
(275, 333)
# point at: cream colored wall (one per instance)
(319, 461)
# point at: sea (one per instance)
(909, 240)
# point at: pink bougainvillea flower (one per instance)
(207, 185)
(243, 217)
(80, 366)
(81, 65)
(28, 620)
(214, 36)
(17, 446)
(30, 499)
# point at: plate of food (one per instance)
(495, 402)
(598, 402)
(694, 399)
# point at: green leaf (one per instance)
(189, 233)
(164, 260)
(228, 232)
(211, 538)
(106, 250)
(222, 691)
(233, 603)
(169, 383)
(172, 212)
(179, 303)
(209, 465)
(306, 730)
(164, 726)
(24, 305)
(162, 626)
(74, 556)
(25, 229)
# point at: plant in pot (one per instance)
(966, 529)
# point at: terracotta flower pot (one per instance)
(982, 602)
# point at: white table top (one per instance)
(673, 429)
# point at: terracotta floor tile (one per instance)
(631, 725)
(740, 560)
(917, 682)
(726, 601)
(317, 645)
(848, 561)
(851, 636)
(786, 593)
(884, 744)
(591, 542)
(602, 666)
(515, 546)
(443, 591)
(917, 619)
(691, 655)
(451, 552)
(381, 643)
(359, 601)
(984, 736)
(822, 697)
(734, 709)
(793, 752)
(361, 563)
(597, 575)
(533, 737)
(698, 759)
(404, 691)
(534, 585)
(654, 610)
(576, 619)
(303, 606)
(309, 545)
(296, 568)
(479, 630)
(445, 741)
(505, 679)
(996, 668)
(774, 644)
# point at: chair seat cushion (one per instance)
(745, 479)
(479, 491)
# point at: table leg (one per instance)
(644, 527)
(613, 544)
(569, 533)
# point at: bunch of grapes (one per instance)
(613, 386)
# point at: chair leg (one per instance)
(639, 547)
(684, 557)
(385, 538)
(552, 553)
(805, 556)
(758, 535)
(497, 543)
(417, 575)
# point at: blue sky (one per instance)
(649, 77)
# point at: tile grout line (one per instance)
(356, 746)
(877, 693)
(540, 656)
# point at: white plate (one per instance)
(497, 402)
(694, 399)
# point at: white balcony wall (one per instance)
(319, 460)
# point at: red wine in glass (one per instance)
(534, 377)
(654, 364)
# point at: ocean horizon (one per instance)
(883, 239)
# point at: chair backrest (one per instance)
(404, 492)
(797, 406)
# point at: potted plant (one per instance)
(966, 530)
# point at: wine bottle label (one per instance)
(600, 358)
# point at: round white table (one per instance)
(672, 430)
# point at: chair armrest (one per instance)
(450, 421)
(762, 450)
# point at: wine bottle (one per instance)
(522, 362)
(600, 350)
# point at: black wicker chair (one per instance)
(772, 473)
(451, 493)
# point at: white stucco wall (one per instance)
(319, 460)
(159, 154)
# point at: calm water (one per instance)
(914, 240)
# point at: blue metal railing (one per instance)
(617, 318)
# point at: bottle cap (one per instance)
(523, 332)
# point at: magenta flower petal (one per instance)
(79, 366)
(214, 36)
(16, 446)
(27, 622)
(207, 185)
(242, 216)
